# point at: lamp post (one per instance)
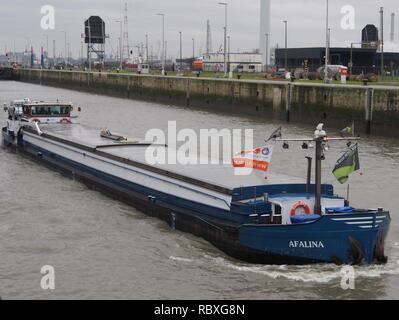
(163, 41)
(46, 35)
(327, 44)
(228, 53)
(65, 47)
(267, 51)
(225, 36)
(193, 48)
(69, 52)
(286, 45)
(120, 45)
(382, 42)
(181, 52)
(146, 48)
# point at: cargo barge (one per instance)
(281, 221)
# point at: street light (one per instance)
(267, 50)
(65, 47)
(228, 53)
(326, 80)
(146, 48)
(181, 52)
(120, 46)
(46, 35)
(163, 41)
(225, 36)
(193, 48)
(382, 42)
(286, 45)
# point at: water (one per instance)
(102, 248)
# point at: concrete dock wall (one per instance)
(374, 109)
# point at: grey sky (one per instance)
(20, 20)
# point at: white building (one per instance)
(238, 62)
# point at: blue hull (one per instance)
(339, 238)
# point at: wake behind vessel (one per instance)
(281, 221)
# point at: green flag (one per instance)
(347, 164)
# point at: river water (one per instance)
(102, 248)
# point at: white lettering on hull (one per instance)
(306, 244)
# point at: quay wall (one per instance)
(373, 109)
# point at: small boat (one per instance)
(282, 220)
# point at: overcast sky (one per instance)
(20, 20)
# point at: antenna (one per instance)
(126, 47)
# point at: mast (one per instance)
(320, 138)
(319, 153)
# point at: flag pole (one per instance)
(347, 193)
(319, 152)
(320, 137)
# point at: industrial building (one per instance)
(365, 60)
(364, 56)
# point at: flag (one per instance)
(348, 131)
(276, 134)
(347, 164)
(257, 159)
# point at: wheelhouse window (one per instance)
(50, 111)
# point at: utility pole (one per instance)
(81, 54)
(120, 45)
(146, 48)
(228, 53)
(193, 48)
(225, 36)
(326, 80)
(163, 42)
(54, 54)
(69, 52)
(181, 52)
(267, 51)
(286, 46)
(126, 46)
(65, 47)
(46, 35)
(382, 42)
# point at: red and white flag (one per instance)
(257, 159)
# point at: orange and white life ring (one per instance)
(297, 205)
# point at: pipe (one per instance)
(39, 132)
(309, 174)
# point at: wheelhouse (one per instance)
(47, 110)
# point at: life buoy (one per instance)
(297, 205)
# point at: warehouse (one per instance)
(365, 60)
